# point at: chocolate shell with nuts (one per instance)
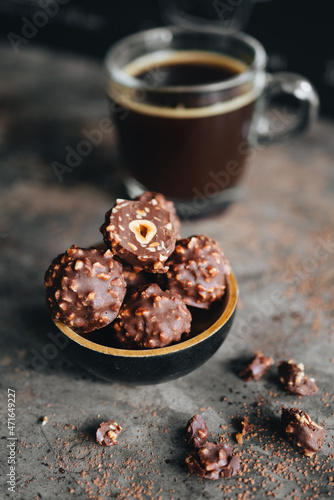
(151, 318)
(166, 204)
(84, 288)
(197, 271)
(141, 233)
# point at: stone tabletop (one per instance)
(279, 238)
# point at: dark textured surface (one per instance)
(279, 240)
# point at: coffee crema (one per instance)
(184, 130)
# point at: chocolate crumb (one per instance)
(245, 426)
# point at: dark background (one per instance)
(298, 35)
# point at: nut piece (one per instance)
(301, 430)
(294, 380)
(257, 367)
(150, 318)
(140, 233)
(245, 427)
(239, 438)
(84, 288)
(144, 230)
(107, 433)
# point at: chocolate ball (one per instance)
(84, 288)
(197, 271)
(150, 318)
(141, 233)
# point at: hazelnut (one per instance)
(144, 230)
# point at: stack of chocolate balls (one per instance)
(143, 282)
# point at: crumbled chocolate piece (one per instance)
(209, 460)
(141, 233)
(197, 431)
(302, 431)
(257, 367)
(197, 271)
(107, 433)
(150, 318)
(294, 380)
(166, 204)
(213, 461)
(84, 288)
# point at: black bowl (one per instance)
(95, 352)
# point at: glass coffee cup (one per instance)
(190, 106)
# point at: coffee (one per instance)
(177, 138)
(188, 71)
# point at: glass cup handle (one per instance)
(275, 124)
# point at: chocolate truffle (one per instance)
(301, 430)
(166, 204)
(197, 271)
(150, 317)
(84, 288)
(107, 433)
(257, 367)
(141, 233)
(213, 461)
(294, 380)
(197, 431)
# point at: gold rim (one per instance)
(129, 353)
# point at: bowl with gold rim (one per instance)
(97, 353)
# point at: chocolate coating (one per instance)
(133, 279)
(197, 431)
(84, 288)
(301, 430)
(166, 204)
(213, 461)
(197, 271)
(107, 433)
(294, 380)
(257, 367)
(141, 233)
(150, 318)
